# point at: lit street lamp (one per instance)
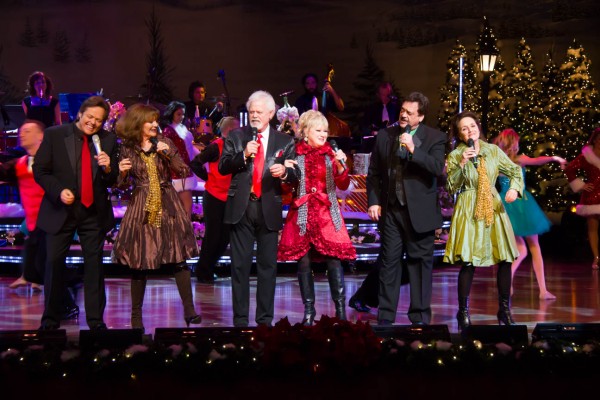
(488, 53)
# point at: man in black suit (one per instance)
(402, 197)
(75, 178)
(254, 205)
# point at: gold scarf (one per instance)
(153, 204)
(483, 206)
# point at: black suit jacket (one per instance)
(55, 169)
(420, 175)
(233, 162)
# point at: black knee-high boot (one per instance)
(503, 280)
(183, 278)
(465, 279)
(138, 289)
(335, 275)
(307, 291)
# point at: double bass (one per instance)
(337, 127)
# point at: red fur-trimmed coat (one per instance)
(321, 232)
(588, 164)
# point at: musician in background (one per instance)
(197, 96)
(40, 105)
(312, 99)
(216, 234)
(382, 113)
(183, 139)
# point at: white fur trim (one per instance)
(588, 154)
(588, 209)
(577, 184)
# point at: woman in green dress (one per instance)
(480, 234)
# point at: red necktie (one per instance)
(87, 192)
(259, 163)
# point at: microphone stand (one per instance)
(227, 107)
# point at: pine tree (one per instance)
(83, 54)
(498, 93)
(62, 47)
(157, 87)
(27, 38)
(365, 86)
(42, 33)
(579, 104)
(522, 104)
(449, 92)
(571, 113)
(8, 92)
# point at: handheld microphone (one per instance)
(471, 144)
(254, 137)
(335, 148)
(154, 142)
(96, 141)
(407, 129)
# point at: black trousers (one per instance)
(250, 229)
(216, 235)
(91, 237)
(398, 236)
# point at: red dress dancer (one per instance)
(314, 227)
(588, 164)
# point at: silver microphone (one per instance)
(96, 141)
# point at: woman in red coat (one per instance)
(314, 228)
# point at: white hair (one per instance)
(261, 95)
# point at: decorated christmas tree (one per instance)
(571, 104)
(496, 113)
(522, 103)
(449, 92)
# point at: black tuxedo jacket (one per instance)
(421, 170)
(55, 169)
(280, 147)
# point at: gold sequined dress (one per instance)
(141, 244)
(469, 239)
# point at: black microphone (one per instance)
(335, 148)
(254, 138)
(154, 142)
(407, 129)
(471, 144)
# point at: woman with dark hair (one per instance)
(588, 164)
(526, 217)
(40, 105)
(314, 229)
(155, 229)
(183, 139)
(480, 232)
(198, 106)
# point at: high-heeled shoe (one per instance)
(504, 315)
(196, 319)
(462, 316)
(596, 263)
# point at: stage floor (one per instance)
(574, 283)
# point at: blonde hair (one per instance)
(309, 119)
(508, 141)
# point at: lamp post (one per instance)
(488, 53)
